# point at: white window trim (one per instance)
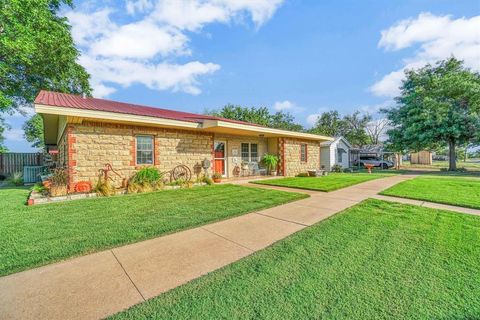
(136, 150)
(250, 151)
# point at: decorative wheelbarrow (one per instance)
(180, 172)
(369, 167)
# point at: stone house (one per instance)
(88, 133)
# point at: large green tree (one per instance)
(36, 52)
(439, 105)
(329, 123)
(33, 129)
(261, 116)
(351, 126)
(3, 127)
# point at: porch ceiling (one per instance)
(218, 126)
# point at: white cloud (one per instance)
(14, 135)
(312, 118)
(194, 14)
(141, 40)
(87, 27)
(438, 37)
(162, 76)
(283, 105)
(138, 6)
(374, 109)
(144, 51)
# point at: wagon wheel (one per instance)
(181, 172)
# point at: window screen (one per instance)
(254, 152)
(303, 152)
(144, 150)
(245, 152)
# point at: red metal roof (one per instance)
(57, 99)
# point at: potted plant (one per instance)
(217, 177)
(58, 182)
(270, 161)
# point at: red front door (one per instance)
(220, 157)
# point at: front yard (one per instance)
(459, 191)
(376, 260)
(42, 234)
(333, 181)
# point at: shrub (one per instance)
(145, 180)
(337, 168)
(179, 182)
(104, 187)
(17, 178)
(149, 175)
(59, 177)
(133, 187)
(216, 175)
(207, 180)
(2, 177)
(302, 174)
(40, 188)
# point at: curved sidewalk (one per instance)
(103, 283)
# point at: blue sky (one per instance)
(304, 57)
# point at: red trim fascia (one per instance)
(156, 150)
(212, 165)
(71, 163)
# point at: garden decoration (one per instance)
(369, 167)
(105, 173)
(83, 187)
(180, 172)
(236, 171)
(205, 165)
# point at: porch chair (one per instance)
(256, 170)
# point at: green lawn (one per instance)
(377, 260)
(37, 235)
(333, 181)
(470, 165)
(464, 192)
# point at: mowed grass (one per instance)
(470, 165)
(333, 181)
(37, 235)
(458, 191)
(377, 260)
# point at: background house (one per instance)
(335, 152)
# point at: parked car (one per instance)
(375, 161)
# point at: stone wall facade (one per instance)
(85, 149)
(290, 157)
(93, 144)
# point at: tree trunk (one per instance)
(452, 165)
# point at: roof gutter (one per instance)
(114, 116)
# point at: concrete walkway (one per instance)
(427, 204)
(101, 284)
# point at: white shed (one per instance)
(335, 152)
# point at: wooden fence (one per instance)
(12, 161)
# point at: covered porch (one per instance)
(240, 156)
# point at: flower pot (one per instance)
(56, 191)
(217, 180)
(273, 173)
